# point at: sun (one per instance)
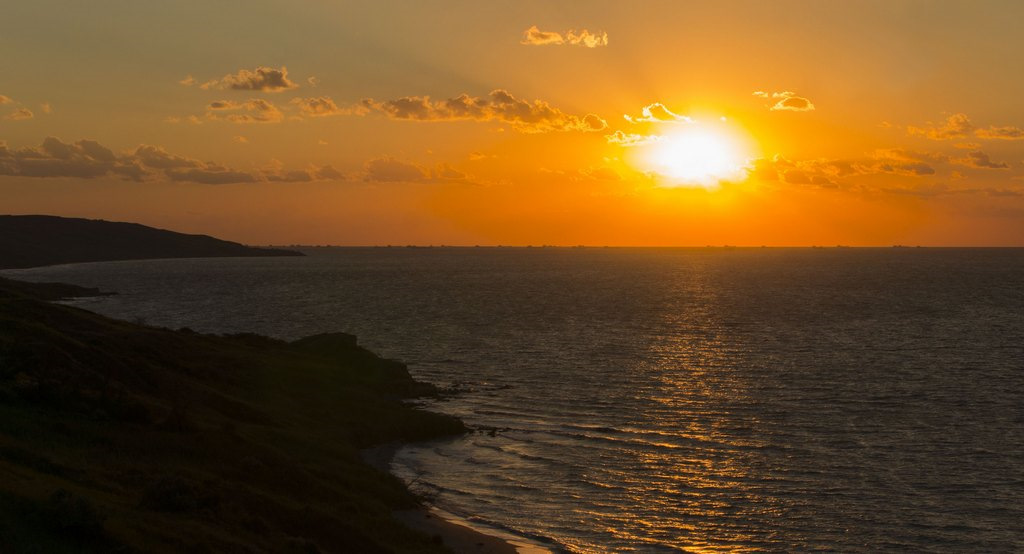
(698, 155)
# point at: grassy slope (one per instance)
(115, 436)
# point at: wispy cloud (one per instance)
(254, 110)
(786, 101)
(536, 37)
(526, 116)
(630, 139)
(956, 126)
(980, 160)
(266, 79)
(1002, 133)
(323, 106)
(656, 112)
(20, 114)
(390, 170)
(88, 159)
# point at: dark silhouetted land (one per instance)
(37, 240)
(127, 438)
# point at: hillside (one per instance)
(128, 438)
(37, 240)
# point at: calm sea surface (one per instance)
(657, 400)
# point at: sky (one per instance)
(643, 123)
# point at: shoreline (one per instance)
(459, 534)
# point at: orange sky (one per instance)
(525, 122)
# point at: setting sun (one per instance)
(696, 155)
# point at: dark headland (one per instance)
(38, 240)
(120, 437)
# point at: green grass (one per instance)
(116, 437)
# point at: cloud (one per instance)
(525, 116)
(313, 173)
(20, 114)
(211, 175)
(88, 159)
(587, 38)
(46, 108)
(240, 139)
(255, 110)
(390, 170)
(323, 106)
(830, 172)
(187, 81)
(313, 81)
(158, 158)
(1001, 133)
(656, 112)
(628, 139)
(980, 160)
(956, 126)
(535, 37)
(266, 79)
(786, 101)
(5, 99)
(445, 172)
(85, 159)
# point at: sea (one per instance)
(667, 400)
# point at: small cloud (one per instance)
(328, 172)
(157, 158)
(980, 160)
(587, 38)
(789, 101)
(313, 81)
(20, 114)
(477, 156)
(967, 145)
(1001, 133)
(656, 112)
(786, 101)
(266, 79)
(187, 81)
(628, 139)
(390, 170)
(5, 99)
(322, 142)
(323, 106)
(46, 108)
(956, 126)
(535, 37)
(525, 116)
(254, 110)
(240, 139)
(445, 172)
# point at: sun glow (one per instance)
(698, 155)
